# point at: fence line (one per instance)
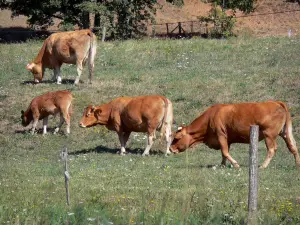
(190, 28)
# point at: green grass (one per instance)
(187, 188)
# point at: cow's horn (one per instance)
(179, 128)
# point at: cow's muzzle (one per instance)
(82, 125)
(175, 151)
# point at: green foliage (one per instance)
(222, 24)
(176, 2)
(66, 26)
(122, 18)
(243, 5)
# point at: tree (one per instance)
(246, 6)
(122, 18)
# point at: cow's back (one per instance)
(51, 102)
(234, 120)
(67, 47)
(142, 110)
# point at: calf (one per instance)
(224, 124)
(133, 114)
(47, 104)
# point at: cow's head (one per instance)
(26, 118)
(92, 116)
(181, 140)
(36, 70)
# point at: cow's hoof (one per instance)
(237, 166)
(145, 154)
(122, 153)
(56, 131)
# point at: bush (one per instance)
(222, 23)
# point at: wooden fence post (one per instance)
(64, 155)
(103, 33)
(179, 27)
(167, 28)
(253, 175)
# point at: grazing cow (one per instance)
(133, 114)
(223, 124)
(72, 47)
(47, 104)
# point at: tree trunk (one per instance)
(85, 20)
(97, 20)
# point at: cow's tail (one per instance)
(92, 53)
(70, 109)
(167, 121)
(287, 134)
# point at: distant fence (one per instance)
(187, 28)
(178, 29)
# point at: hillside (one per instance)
(271, 17)
(267, 19)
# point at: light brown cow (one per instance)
(221, 125)
(133, 114)
(47, 104)
(72, 47)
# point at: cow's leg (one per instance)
(34, 124)
(57, 75)
(150, 138)
(79, 71)
(123, 137)
(225, 152)
(61, 122)
(67, 119)
(223, 163)
(271, 148)
(291, 144)
(45, 124)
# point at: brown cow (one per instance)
(47, 104)
(133, 114)
(223, 124)
(72, 47)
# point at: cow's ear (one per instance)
(93, 109)
(22, 112)
(180, 133)
(30, 66)
(97, 112)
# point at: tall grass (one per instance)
(189, 188)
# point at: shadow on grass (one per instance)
(103, 149)
(64, 81)
(39, 131)
(215, 166)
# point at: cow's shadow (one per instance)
(102, 149)
(209, 166)
(64, 81)
(39, 131)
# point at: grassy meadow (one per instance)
(187, 188)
